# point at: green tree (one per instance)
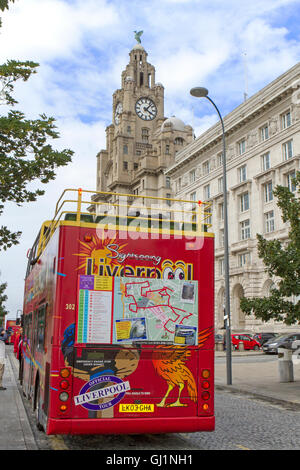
(25, 152)
(282, 261)
(3, 299)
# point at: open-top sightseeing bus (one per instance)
(118, 317)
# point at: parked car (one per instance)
(282, 341)
(262, 338)
(247, 340)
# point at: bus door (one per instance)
(32, 354)
(37, 349)
(27, 340)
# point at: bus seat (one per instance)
(88, 218)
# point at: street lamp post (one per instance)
(200, 92)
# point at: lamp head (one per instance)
(199, 92)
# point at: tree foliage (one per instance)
(25, 152)
(3, 299)
(282, 262)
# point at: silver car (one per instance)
(283, 341)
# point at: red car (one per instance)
(249, 343)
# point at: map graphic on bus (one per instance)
(158, 306)
(122, 309)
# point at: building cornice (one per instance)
(274, 92)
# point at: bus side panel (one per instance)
(40, 288)
(63, 316)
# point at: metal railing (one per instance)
(179, 213)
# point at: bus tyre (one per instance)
(38, 408)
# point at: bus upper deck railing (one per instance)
(111, 210)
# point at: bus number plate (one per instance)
(136, 408)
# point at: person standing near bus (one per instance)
(20, 354)
(3, 338)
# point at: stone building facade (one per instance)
(262, 151)
(140, 142)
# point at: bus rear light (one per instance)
(65, 373)
(205, 395)
(64, 396)
(206, 373)
(205, 407)
(64, 384)
(205, 385)
(63, 407)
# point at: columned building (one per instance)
(262, 150)
(140, 142)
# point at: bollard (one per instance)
(285, 365)
(241, 346)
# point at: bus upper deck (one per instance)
(158, 215)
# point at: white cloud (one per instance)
(50, 29)
(82, 47)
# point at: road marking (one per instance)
(57, 443)
(242, 447)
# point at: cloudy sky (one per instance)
(82, 47)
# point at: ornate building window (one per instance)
(268, 191)
(286, 120)
(206, 191)
(264, 133)
(145, 135)
(287, 150)
(265, 161)
(242, 171)
(269, 222)
(221, 238)
(179, 141)
(289, 179)
(243, 259)
(245, 229)
(220, 184)
(125, 149)
(205, 167)
(244, 202)
(241, 147)
(192, 176)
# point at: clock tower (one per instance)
(140, 143)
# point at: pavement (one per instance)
(15, 430)
(250, 375)
(258, 376)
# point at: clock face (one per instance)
(118, 112)
(145, 109)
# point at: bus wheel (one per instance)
(38, 408)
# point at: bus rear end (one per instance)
(132, 345)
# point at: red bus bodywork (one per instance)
(137, 387)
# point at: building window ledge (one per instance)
(243, 186)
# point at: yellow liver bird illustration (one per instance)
(169, 363)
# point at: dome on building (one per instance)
(173, 122)
(138, 47)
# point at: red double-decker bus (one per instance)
(118, 332)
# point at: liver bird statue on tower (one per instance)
(137, 36)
